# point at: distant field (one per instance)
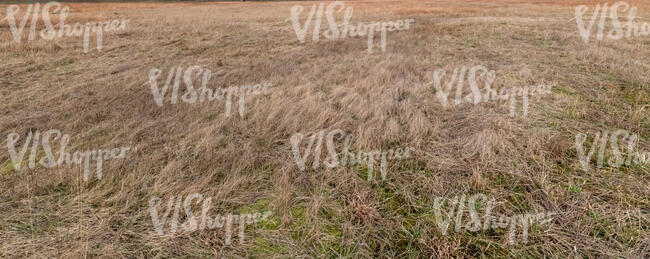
(245, 161)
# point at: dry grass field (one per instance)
(527, 164)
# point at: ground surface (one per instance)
(527, 164)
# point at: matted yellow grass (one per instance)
(245, 163)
